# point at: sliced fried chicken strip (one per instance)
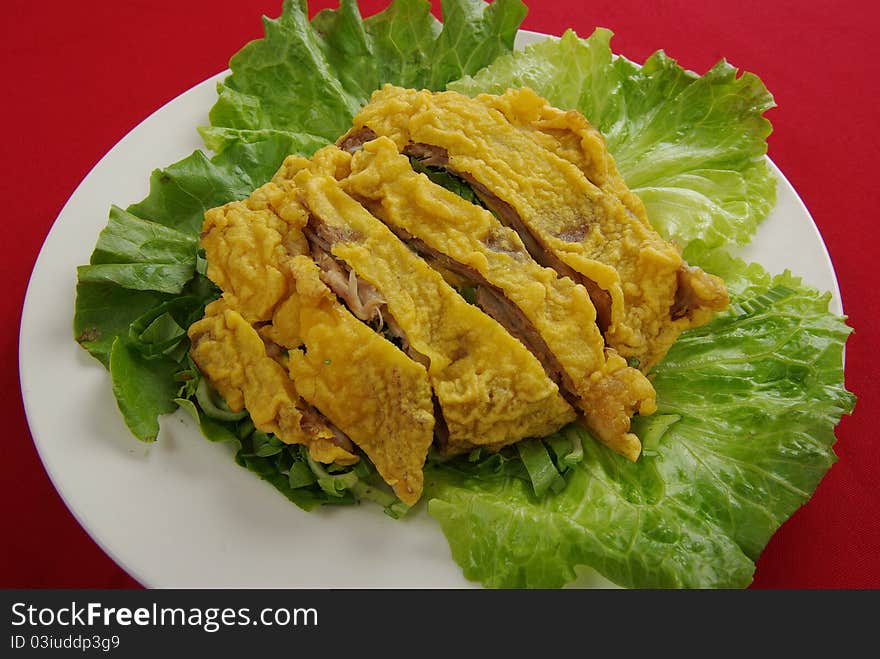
(569, 135)
(387, 408)
(309, 346)
(231, 354)
(566, 220)
(552, 316)
(491, 389)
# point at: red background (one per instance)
(79, 75)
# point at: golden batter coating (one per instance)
(557, 309)
(231, 354)
(567, 134)
(244, 249)
(568, 222)
(491, 389)
(357, 380)
(307, 264)
(363, 384)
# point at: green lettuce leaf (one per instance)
(543, 473)
(692, 147)
(181, 193)
(147, 253)
(136, 265)
(286, 82)
(130, 239)
(104, 311)
(161, 331)
(161, 277)
(473, 35)
(142, 287)
(398, 45)
(212, 429)
(744, 433)
(140, 255)
(218, 139)
(145, 389)
(308, 79)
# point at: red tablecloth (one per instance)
(79, 75)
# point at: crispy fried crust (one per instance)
(231, 354)
(491, 389)
(255, 250)
(589, 229)
(363, 384)
(571, 277)
(553, 316)
(569, 135)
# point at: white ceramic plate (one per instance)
(180, 512)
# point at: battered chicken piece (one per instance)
(230, 353)
(491, 389)
(386, 407)
(363, 384)
(249, 244)
(360, 298)
(551, 315)
(328, 162)
(566, 221)
(568, 134)
(246, 245)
